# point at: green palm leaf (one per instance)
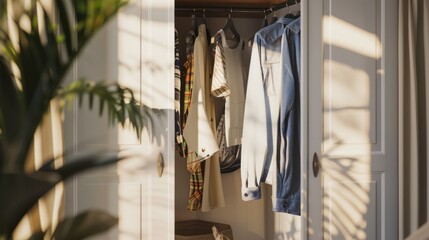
(121, 102)
(31, 187)
(42, 68)
(21, 193)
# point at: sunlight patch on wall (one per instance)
(128, 211)
(347, 115)
(129, 48)
(340, 33)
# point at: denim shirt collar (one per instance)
(295, 25)
(271, 33)
(285, 21)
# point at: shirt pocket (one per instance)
(270, 78)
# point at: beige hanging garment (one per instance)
(200, 128)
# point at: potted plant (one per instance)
(32, 71)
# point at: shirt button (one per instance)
(246, 194)
(203, 149)
(284, 204)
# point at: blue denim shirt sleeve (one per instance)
(287, 189)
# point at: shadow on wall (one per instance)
(294, 232)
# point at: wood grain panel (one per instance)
(227, 3)
(233, 3)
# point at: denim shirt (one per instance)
(270, 144)
(288, 163)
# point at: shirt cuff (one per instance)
(287, 205)
(251, 193)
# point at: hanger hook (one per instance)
(288, 7)
(204, 13)
(265, 14)
(230, 11)
(272, 10)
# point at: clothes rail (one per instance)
(234, 10)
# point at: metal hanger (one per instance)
(194, 29)
(231, 27)
(275, 18)
(265, 21)
(193, 21)
(204, 16)
(264, 24)
(289, 14)
(299, 7)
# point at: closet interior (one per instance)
(240, 20)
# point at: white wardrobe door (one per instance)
(137, 50)
(351, 81)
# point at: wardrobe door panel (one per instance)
(136, 49)
(352, 57)
(352, 120)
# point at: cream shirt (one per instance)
(200, 127)
(199, 131)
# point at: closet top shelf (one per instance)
(263, 4)
(238, 8)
